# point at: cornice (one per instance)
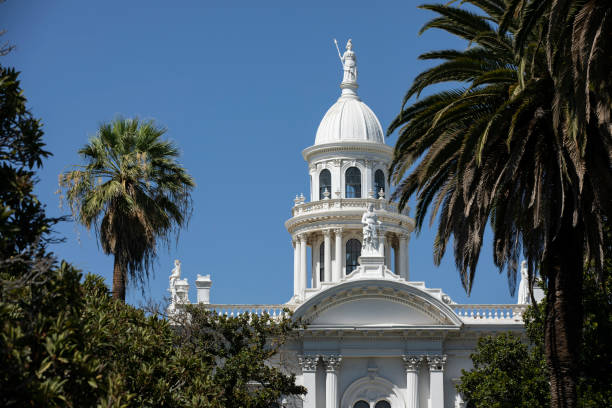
(368, 147)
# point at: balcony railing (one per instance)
(467, 313)
(490, 313)
(345, 204)
(235, 310)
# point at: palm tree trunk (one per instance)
(563, 269)
(119, 274)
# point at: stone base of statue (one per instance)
(373, 265)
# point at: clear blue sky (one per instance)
(241, 90)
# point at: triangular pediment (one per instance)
(375, 304)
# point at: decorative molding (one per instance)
(308, 363)
(411, 362)
(436, 362)
(332, 362)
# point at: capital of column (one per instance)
(332, 362)
(338, 231)
(308, 363)
(404, 237)
(412, 363)
(436, 362)
(327, 233)
(301, 237)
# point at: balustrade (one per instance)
(275, 311)
(490, 312)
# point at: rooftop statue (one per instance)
(523, 292)
(349, 63)
(371, 243)
(174, 276)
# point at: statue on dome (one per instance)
(349, 62)
(523, 292)
(371, 242)
(174, 276)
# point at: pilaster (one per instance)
(436, 380)
(411, 364)
(309, 375)
(332, 368)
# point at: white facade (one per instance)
(372, 338)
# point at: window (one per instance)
(324, 183)
(382, 404)
(361, 404)
(322, 262)
(353, 252)
(379, 182)
(352, 179)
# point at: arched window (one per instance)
(361, 404)
(352, 179)
(322, 262)
(353, 252)
(324, 183)
(382, 404)
(379, 182)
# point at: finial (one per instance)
(349, 66)
(326, 194)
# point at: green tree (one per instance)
(132, 192)
(577, 37)
(241, 348)
(509, 372)
(489, 152)
(506, 374)
(65, 342)
(24, 227)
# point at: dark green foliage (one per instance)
(506, 374)
(132, 192)
(240, 348)
(508, 148)
(24, 227)
(65, 342)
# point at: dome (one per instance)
(349, 119)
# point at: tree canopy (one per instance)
(132, 192)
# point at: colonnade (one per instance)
(412, 364)
(436, 365)
(333, 271)
(309, 374)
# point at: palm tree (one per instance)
(132, 192)
(577, 37)
(488, 151)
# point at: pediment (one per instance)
(375, 304)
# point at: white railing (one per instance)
(490, 313)
(346, 204)
(468, 313)
(236, 310)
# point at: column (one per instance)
(309, 375)
(436, 380)
(403, 245)
(337, 275)
(398, 256)
(411, 364)
(387, 252)
(296, 267)
(303, 266)
(327, 255)
(332, 366)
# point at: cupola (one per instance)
(349, 119)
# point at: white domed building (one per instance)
(372, 337)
